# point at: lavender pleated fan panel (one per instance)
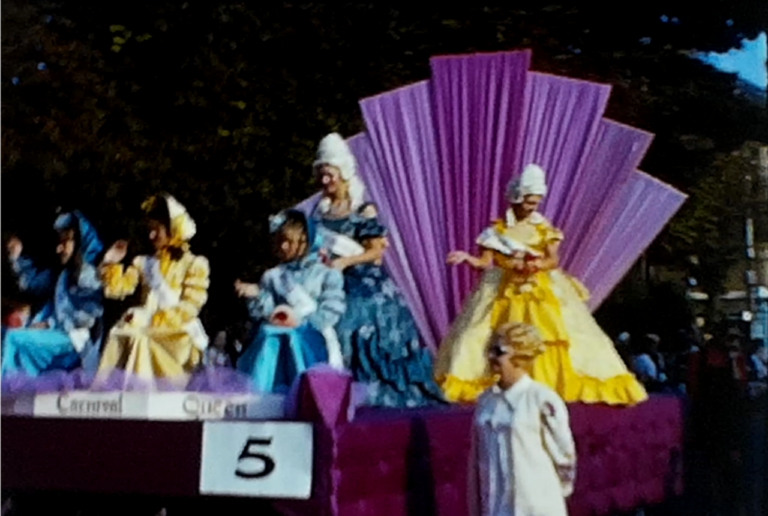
(625, 227)
(614, 156)
(563, 117)
(401, 131)
(478, 106)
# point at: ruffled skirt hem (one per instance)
(553, 368)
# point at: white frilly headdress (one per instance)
(333, 150)
(183, 227)
(531, 182)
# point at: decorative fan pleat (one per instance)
(625, 227)
(561, 127)
(615, 155)
(437, 156)
(479, 110)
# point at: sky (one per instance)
(748, 62)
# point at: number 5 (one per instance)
(249, 453)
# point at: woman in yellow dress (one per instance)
(522, 282)
(163, 337)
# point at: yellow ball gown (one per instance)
(580, 362)
(163, 337)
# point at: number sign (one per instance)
(263, 460)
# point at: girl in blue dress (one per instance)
(296, 305)
(66, 333)
(378, 335)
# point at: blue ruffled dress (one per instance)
(378, 335)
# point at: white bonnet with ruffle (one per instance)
(531, 182)
(334, 150)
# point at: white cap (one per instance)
(333, 150)
(531, 182)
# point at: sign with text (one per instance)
(260, 460)
(200, 406)
(91, 405)
(155, 406)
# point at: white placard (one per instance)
(260, 460)
(154, 406)
(91, 405)
(191, 406)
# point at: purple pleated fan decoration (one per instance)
(402, 135)
(615, 155)
(562, 121)
(479, 108)
(622, 231)
(437, 157)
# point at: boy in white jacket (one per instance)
(523, 457)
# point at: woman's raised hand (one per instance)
(117, 252)
(246, 289)
(458, 257)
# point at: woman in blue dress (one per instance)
(378, 334)
(66, 333)
(296, 305)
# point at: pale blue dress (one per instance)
(278, 355)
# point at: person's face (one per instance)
(66, 246)
(291, 244)
(526, 208)
(330, 178)
(158, 234)
(500, 358)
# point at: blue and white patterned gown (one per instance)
(378, 335)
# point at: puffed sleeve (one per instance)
(369, 210)
(331, 304)
(194, 294)
(120, 282)
(552, 235)
(558, 440)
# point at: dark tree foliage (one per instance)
(222, 103)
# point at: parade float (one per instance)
(434, 158)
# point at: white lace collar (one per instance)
(536, 218)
